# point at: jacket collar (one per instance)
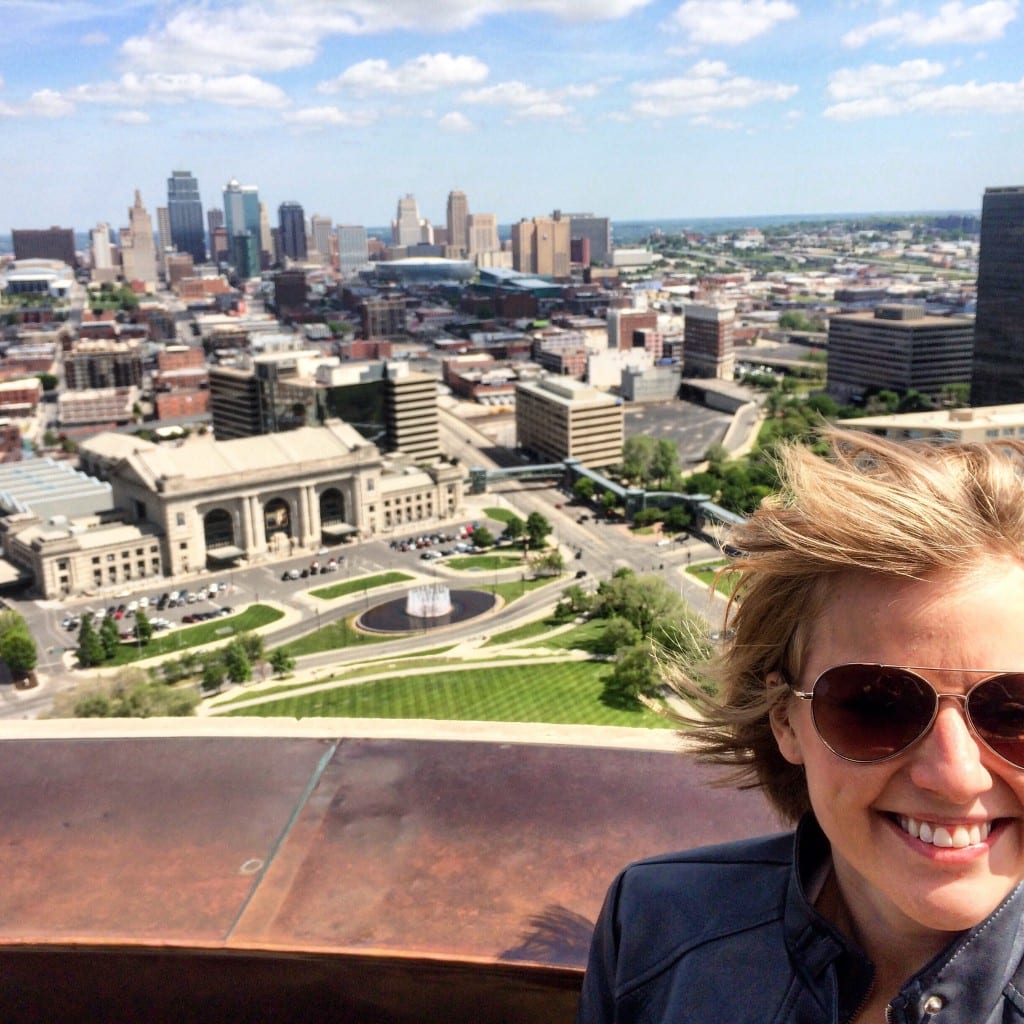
(971, 973)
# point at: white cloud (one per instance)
(325, 117)
(132, 117)
(137, 90)
(456, 123)
(426, 73)
(953, 23)
(730, 22)
(95, 39)
(47, 103)
(528, 102)
(874, 79)
(707, 87)
(273, 35)
(908, 88)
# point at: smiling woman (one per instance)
(871, 682)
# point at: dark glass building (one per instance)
(292, 231)
(185, 211)
(998, 367)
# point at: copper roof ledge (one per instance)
(273, 870)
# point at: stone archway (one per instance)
(277, 519)
(332, 507)
(218, 529)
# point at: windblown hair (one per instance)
(900, 510)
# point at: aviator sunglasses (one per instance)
(870, 713)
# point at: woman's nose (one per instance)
(948, 760)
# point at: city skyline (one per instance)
(631, 109)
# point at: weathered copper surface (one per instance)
(398, 880)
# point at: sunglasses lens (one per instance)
(996, 707)
(871, 712)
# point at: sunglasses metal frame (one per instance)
(914, 670)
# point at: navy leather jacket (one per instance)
(725, 935)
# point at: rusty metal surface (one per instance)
(383, 872)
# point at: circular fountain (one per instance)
(429, 606)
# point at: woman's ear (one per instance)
(782, 725)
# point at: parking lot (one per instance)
(694, 428)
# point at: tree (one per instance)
(18, 650)
(648, 516)
(609, 502)
(549, 563)
(583, 489)
(618, 633)
(90, 647)
(214, 674)
(237, 663)
(143, 627)
(281, 661)
(678, 518)
(635, 673)
(641, 600)
(665, 460)
(483, 538)
(537, 530)
(577, 599)
(514, 528)
(252, 645)
(48, 380)
(110, 637)
(716, 454)
(637, 457)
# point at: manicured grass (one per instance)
(358, 585)
(486, 562)
(568, 693)
(331, 637)
(523, 632)
(707, 572)
(178, 640)
(582, 637)
(500, 515)
(516, 588)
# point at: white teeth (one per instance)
(955, 837)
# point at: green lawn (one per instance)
(569, 693)
(331, 637)
(706, 574)
(492, 562)
(524, 632)
(358, 585)
(500, 515)
(182, 639)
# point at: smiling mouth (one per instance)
(954, 837)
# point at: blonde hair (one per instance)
(872, 505)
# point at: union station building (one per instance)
(211, 504)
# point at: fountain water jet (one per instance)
(430, 601)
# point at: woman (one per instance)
(873, 686)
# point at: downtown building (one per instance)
(185, 216)
(899, 348)
(542, 246)
(559, 418)
(291, 232)
(708, 345)
(997, 376)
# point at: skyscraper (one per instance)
(541, 246)
(353, 252)
(164, 243)
(138, 248)
(321, 230)
(482, 230)
(291, 222)
(405, 228)
(597, 230)
(998, 365)
(458, 228)
(241, 208)
(102, 258)
(186, 215)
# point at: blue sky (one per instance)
(627, 108)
